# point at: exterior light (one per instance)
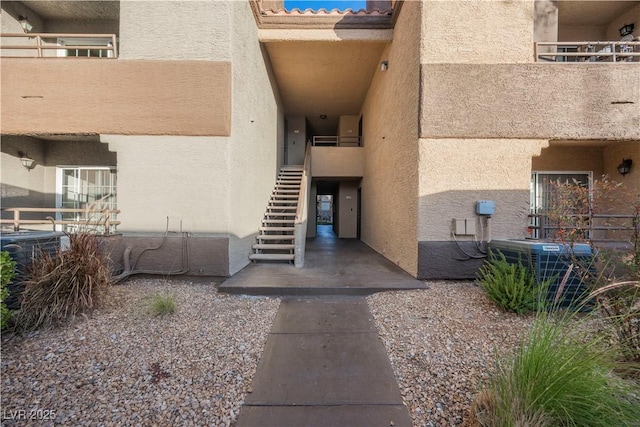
(25, 24)
(384, 65)
(626, 29)
(26, 161)
(625, 167)
(323, 116)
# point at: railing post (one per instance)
(16, 220)
(39, 44)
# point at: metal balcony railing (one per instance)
(96, 220)
(75, 45)
(580, 52)
(336, 141)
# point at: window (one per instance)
(542, 197)
(99, 42)
(82, 188)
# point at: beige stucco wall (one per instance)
(348, 125)
(254, 143)
(571, 101)
(631, 17)
(116, 96)
(449, 32)
(390, 131)
(181, 177)
(337, 162)
(456, 173)
(613, 155)
(176, 30)
(570, 158)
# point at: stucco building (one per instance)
(179, 114)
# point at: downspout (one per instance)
(300, 224)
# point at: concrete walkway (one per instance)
(332, 267)
(323, 364)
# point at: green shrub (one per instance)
(7, 272)
(162, 304)
(61, 286)
(511, 286)
(558, 378)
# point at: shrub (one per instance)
(61, 286)
(557, 379)
(511, 286)
(7, 272)
(162, 304)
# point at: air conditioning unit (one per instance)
(552, 261)
(23, 247)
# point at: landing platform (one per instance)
(332, 267)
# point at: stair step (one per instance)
(282, 208)
(291, 229)
(287, 191)
(283, 214)
(282, 203)
(275, 237)
(274, 246)
(278, 221)
(273, 257)
(284, 197)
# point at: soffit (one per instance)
(592, 12)
(324, 78)
(72, 10)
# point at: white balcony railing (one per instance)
(607, 51)
(336, 141)
(44, 45)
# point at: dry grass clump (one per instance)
(64, 285)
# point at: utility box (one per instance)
(550, 261)
(464, 226)
(485, 207)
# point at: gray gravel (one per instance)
(124, 366)
(442, 343)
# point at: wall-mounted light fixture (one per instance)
(626, 29)
(625, 167)
(26, 161)
(384, 65)
(25, 24)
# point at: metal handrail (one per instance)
(600, 51)
(545, 228)
(336, 141)
(104, 213)
(40, 47)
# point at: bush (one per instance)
(557, 379)
(61, 286)
(511, 286)
(7, 272)
(162, 304)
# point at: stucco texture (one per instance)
(253, 156)
(182, 30)
(449, 31)
(548, 101)
(456, 173)
(110, 96)
(390, 119)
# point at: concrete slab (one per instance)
(326, 416)
(323, 315)
(324, 365)
(332, 267)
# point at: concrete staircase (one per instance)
(276, 241)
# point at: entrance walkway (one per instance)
(323, 363)
(332, 267)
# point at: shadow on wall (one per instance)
(51, 153)
(453, 237)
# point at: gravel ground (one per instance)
(442, 343)
(124, 366)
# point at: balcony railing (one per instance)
(99, 221)
(336, 141)
(608, 51)
(75, 45)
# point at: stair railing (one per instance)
(302, 211)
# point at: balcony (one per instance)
(576, 52)
(60, 45)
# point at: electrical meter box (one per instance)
(485, 207)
